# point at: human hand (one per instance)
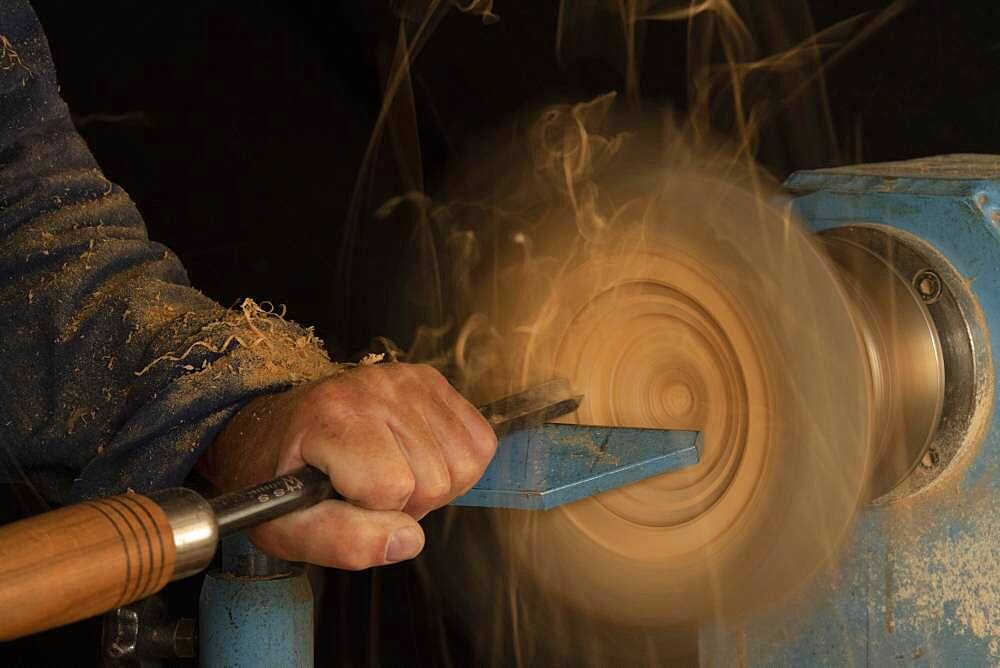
(396, 440)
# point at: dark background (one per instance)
(244, 123)
(238, 129)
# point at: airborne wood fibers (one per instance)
(664, 282)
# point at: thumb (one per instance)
(340, 535)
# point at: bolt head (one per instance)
(928, 285)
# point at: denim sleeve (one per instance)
(114, 372)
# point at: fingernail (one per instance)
(404, 544)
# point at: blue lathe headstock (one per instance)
(919, 582)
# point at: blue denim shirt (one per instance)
(114, 372)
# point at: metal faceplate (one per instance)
(918, 582)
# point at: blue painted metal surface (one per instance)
(254, 621)
(918, 583)
(547, 466)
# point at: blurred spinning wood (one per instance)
(710, 310)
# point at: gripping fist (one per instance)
(396, 440)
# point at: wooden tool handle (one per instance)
(80, 561)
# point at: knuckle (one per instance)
(466, 471)
(357, 488)
(481, 438)
(393, 491)
(485, 444)
(436, 491)
(440, 488)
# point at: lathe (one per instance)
(915, 247)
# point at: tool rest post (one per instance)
(255, 610)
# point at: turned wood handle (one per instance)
(80, 561)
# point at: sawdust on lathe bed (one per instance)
(954, 580)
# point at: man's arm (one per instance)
(114, 372)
